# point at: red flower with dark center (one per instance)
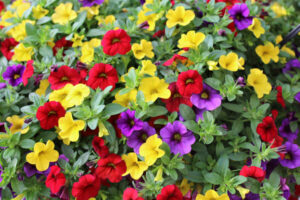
(55, 179)
(7, 46)
(89, 132)
(113, 120)
(158, 34)
(172, 104)
(2, 6)
(111, 167)
(116, 41)
(170, 192)
(253, 172)
(131, 194)
(280, 99)
(63, 76)
(61, 43)
(29, 70)
(175, 60)
(102, 75)
(99, 146)
(87, 187)
(267, 129)
(49, 114)
(189, 82)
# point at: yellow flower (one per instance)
(95, 42)
(109, 19)
(147, 68)
(150, 19)
(77, 94)
(143, 49)
(150, 150)
(154, 88)
(69, 129)
(212, 195)
(242, 191)
(241, 63)
(22, 8)
(259, 81)
(19, 31)
(267, 52)
(77, 40)
(39, 12)
(185, 186)
(66, 141)
(212, 65)
(17, 124)
(191, 40)
(87, 53)
(6, 15)
(278, 10)
(285, 48)
(256, 28)
(19, 197)
(91, 11)
(63, 14)
(102, 130)
(134, 167)
(22, 53)
(179, 16)
(42, 155)
(159, 174)
(125, 99)
(44, 84)
(230, 61)
(61, 95)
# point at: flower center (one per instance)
(189, 80)
(204, 95)
(288, 156)
(144, 137)
(177, 137)
(16, 76)
(115, 40)
(176, 95)
(64, 78)
(111, 165)
(51, 113)
(131, 122)
(239, 16)
(102, 75)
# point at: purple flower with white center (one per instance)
(178, 138)
(128, 123)
(137, 138)
(285, 188)
(292, 156)
(286, 132)
(208, 99)
(291, 66)
(90, 3)
(13, 74)
(297, 97)
(240, 14)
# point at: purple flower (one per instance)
(286, 132)
(128, 123)
(90, 3)
(178, 138)
(2, 127)
(208, 99)
(241, 81)
(291, 66)
(62, 194)
(31, 170)
(137, 138)
(285, 188)
(2, 85)
(292, 156)
(297, 97)
(249, 196)
(240, 14)
(13, 74)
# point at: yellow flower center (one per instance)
(177, 137)
(115, 40)
(204, 95)
(176, 95)
(64, 78)
(102, 75)
(16, 76)
(189, 81)
(288, 156)
(111, 165)
(51, 113)
(144, 137)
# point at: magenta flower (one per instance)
(128, 123)
(13, 74)
(240, 14)
(292, 156)
(178, 138)
(90, 3)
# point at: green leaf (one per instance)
(155, 111)
(237, 126)
(80, 20)
(192, 125)
(27, 144)
(93, 123)
(274, 179)
(169, 31)
(210, 41)
(95, 32)
(187, 112)
(113, 109)
(222, 165)
(213, 178)
(254, 101)
(82, 160)
(211, 18)
(194, 176)
(234, 107)
(30, 29)
(239, 180)
(46, 51)
(18, 186)
(43, 20)
(67, 151)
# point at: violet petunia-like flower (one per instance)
(240, 14)
(137, 138)
(284, 188)
(297, 97)
(13, 74)
(90, 3)
(178, 138)
(286, 132)
(291, 66)
(128, 123)
(208, 99)
(2, 85)
(292, 156)
(249, 196)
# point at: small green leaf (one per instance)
(155, 111)
(213, 178)
(82, 160)
(27, 144)
(187, 112)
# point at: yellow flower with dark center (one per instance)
(17, 124)
(61, 95)
(63, 14)
(267, 52)
(191, 40)
(150, 19)
(212, 195)
(143, 49)
(179, 16)
(42, 155)
(22, 53)
(134, 167)
(109, 19)
(147, 68)
(77, 94)
(125, 99)
(39, 12)
(77, 40)
(230, 61)
(154, 88)
(259, 81)
(256, 28)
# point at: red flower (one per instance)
(170, 192)
(277, 143)
(102, 75)
(2, 6)
(89, 132)
(274, 114)
(28, 72)
(172, 2)
(131, 194)
(279, 96)
(175, 59)
(99, 146)
(293, 198)
(189, 82)
(267, 129)
(116, 41)
(62, 43)
(253, 172)
(63, 76)
(172, 104)
(158, 34)
(113, 121)
(297, 190)
(55, 179)
(87, 187)
(231, 27)
(7, 46)
(111, 167)
(49, 114)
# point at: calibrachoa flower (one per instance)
(279, 96)
(17, 124)
(99, 147)
(28, 72)
(256, 28)
(22, 53)
(61, 95)
(212, 195)
(291, 158)
(77, 94)
(178, 138)
(13, 74)
(116, 42)
(39, 12)
(134, 167)
(291, 66)
(170, 192)
(7, 46)
(208, 99)
(64, 14)
(230, 61)
(143, 49)
(189, 82)
(267, 129)
(297, 97)
(191, 40)
(268, 52)
(90, 3)
(55, 179)
(61, 43)
(63, 76)
(42, 155)
(259, 81)
(240, 14)
(131, 194)
(87, 186)
(126, 99)
(179, 16)
(128, 123)
(253, 172)
(144, 17)
(175, 60)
